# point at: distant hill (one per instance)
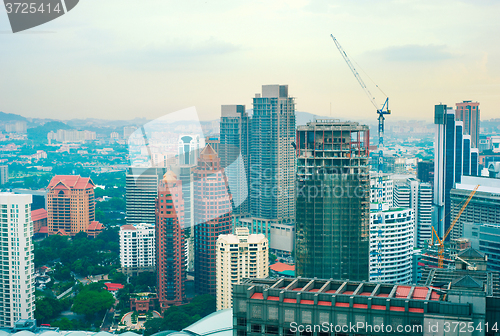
(40, 132)
(6, 117)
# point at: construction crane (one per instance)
(380, 164)
(380, 111)
(441, 241)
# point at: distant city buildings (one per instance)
(17, 283)
(170, 244)
(137, 248)
(4, 174)
(333, 200)
(240, 255)
(70, 204)
(212, 205)
(71, 136)
(468, 112)
(16, 127)
(391, 244)
(114, 135)
(127, 131)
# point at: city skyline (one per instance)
(180, 55)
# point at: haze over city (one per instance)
(126, 59)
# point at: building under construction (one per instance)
(333, 200)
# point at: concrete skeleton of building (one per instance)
(417, 196)
(483, 208)
(70, 204)
(17, 283)
(240, 255)
(333, 201)
(391, 244)
(137, 248)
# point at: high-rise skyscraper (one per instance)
(333, 200)
(468, 113)
(391, 244)
(417, 196)
(137, 248)
(70, 204)
(142, 190)
(170, 244)
(453, 158)
(189, 147)
(272, 167)
(17, 283)
(212, 204)
(240, 255)
(234, 154)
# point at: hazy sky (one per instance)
(121, 59)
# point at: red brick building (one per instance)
(70, 204)
(212, 214)
(170, 242)
(39, 218)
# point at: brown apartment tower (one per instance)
(212, 205)
(170, 243)
(70, 204)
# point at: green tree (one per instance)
(154, 325)
(63, 324)
(91, 302)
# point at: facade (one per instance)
(272, 160)
(241, 255)
(17, 283)
(142, 190)
(305, 306)
(39, 218)
(391, 244)
(484, 207)
(170, 242)
(212, 218)
(70, 204)
(4, 174)
(189, 147)
(485, 238)
(234, 155)
(417, 196)
(425, 171)
(333, 200)
(382, 192)
(454, 157)
(137, 248)
(468, 112)
(127, 131)
(213, 141)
